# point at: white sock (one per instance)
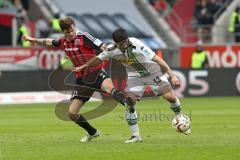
(132, 119)
(135, 130)
(176, 107)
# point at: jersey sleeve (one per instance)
(105, 55)
(110, 52)
(92, 41)
(145, 50)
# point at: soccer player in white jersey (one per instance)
(143, 68)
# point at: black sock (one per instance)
(118, 96)
(82, 122)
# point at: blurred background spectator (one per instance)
(21, 11)
(199, 57)
(22, 30)
(204, 13)
(234, 26)
(1, 4)
(158, 5)
(42, 27)
(55, 28)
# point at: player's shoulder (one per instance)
(135, 41)
(79, 33)
(85, 34)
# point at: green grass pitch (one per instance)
(32, 131)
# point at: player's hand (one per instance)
(28, 38)
(175, 81)
(78, 69)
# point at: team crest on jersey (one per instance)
(77, 42)
(127, 61)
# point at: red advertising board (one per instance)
(9, 55)
(219, 56)
(6, 19)
(31, 57)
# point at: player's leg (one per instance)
(132, 121)
(77, 101)
(135, 89)
(175, 105)
(163, 88)
(107, 86)
(168, 94)
(171, 97)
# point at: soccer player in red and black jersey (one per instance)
(80, 48)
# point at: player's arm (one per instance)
(95, 60)
(105, 55)
(93, 42)
(43, 41)
(166, 69)
(147, 52)
(103, 47)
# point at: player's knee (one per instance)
(107, 85)
(133, 97)
(134, 101)
(170, 97)
(73, 116)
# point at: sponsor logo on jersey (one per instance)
(71, 49)
(127, 61)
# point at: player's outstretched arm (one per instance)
(166, 69)
(44, 41)
(91, 62)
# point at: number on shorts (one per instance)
(157, 80)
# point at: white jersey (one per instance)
(137, 58)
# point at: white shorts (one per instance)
(138, 85)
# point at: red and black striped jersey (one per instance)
(80, 50)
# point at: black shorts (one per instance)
(86, 85)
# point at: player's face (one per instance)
(199, 48)
(123, 45)
(70, 33)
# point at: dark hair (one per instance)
(57, 15)
(66, 23)
(119, 35)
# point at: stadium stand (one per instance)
(101, 22)
(91, 22)
(103, 25)
(195, 23)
